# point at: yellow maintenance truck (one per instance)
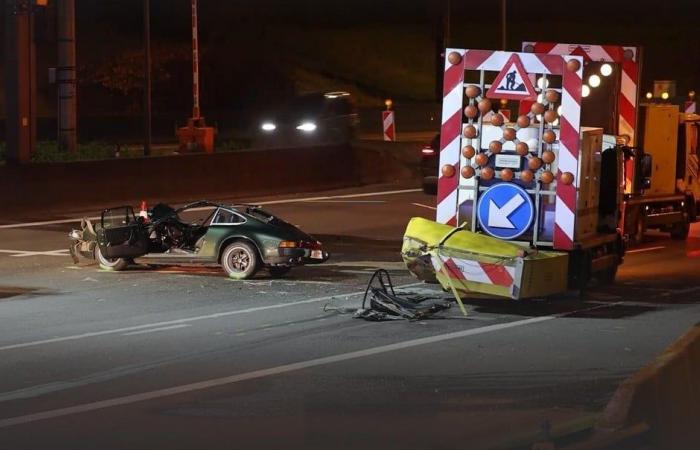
(662, 189)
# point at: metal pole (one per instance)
(195, 63)
(20, 89)
(503, 24)
(147, 77)
(66, 77)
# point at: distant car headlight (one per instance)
(307, 127)
(268, 126)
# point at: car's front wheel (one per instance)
(240, 260)
(112, 264)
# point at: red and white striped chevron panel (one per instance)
(626, 57)
(457, 61)
(478, 272)
(389, 126)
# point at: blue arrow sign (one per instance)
(505, 211)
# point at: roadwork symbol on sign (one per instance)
(512, 82)
(505, 211)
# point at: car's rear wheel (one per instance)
(240, 260)
(112, 264)
(279, 271)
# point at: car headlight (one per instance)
(268, 126)
(307, 127)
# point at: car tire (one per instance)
(279, 271)
(113, 265)
(240, 260)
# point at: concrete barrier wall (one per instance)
(665, 395)
(61, 186)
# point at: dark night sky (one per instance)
(240, 35)
(668, 30)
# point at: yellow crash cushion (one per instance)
(431, 233)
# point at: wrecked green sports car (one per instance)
(240, 238)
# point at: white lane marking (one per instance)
(154, 330)
(187, 319)
(20, 253)
(46, 253)
(152, 395)
(272, 371)
(432, 208)
(648, 249)
(270, 202)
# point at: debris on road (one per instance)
(381, 302)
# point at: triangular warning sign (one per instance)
(580, 51)
(512, 82)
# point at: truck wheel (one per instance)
(680, 230)
(115, 264)
(240, 260)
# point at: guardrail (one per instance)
(74, 185)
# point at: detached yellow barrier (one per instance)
(469, 263)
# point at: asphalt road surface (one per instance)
(184, 358)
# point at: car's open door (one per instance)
(121, 235)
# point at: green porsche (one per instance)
(242, 239)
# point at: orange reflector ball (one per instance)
(548, 157)
(495, 146)
(472, 91)
(487, 173)
(552, 96)
(523, 121)
(448, 171)
(546, 177)
(526, 176)
(537, 108)
(471, 111)
(497, 120)
(509, 134)
(573, 65)
(485, 106)
(550, 115)
(470, 131)
(567, 178)
(468, 152)
(521, 148)
(482, 159)
(549, 136)
(534, 163)
(467, 171)
(454, 58)
(506, 174)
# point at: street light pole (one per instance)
(20, 81)
(66, 77)
(147, 77)
(195, 62)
